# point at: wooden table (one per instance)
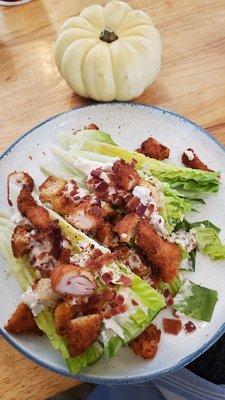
(191, 82)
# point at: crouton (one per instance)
(191, 160)
(126, 177)
(82, 332)
(52, 186)
(22, 321)
(20, 240)
(63, 313)
(69, 279)
(126, 228)
(164, 255)
(146, 344)
(152, 148)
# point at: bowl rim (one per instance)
(110, 380)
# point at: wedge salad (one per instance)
(104, 244)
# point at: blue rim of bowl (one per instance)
(122, 380)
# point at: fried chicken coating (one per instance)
(146, 344)
(82, 332)
(20, 240)
(126, 228)
(152, 148)
(69, 279)
(164, 255)
(126, 176)
(22, 179)
(63, 313)
(22, 321)
(37, 215)
(191, 160)
(105, 234)
(85, 216)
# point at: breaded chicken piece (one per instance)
(152, 148)
(126, 176)
(51, 187)
(69, 279)
(63, 313)
(164, 255)
(22, 321)
(131, 259)
(85, 216)
(37, 215)
(191, 160)
(105, 234)
(20, 240)
(82, 332)
(126, 228)
(22, 179)
(146, 344)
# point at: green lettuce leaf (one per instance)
(89, 357)
(173, 287)
(209, 242)
(196, 301)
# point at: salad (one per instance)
(103, 245)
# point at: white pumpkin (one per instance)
(109, 53)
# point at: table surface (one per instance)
(191, 82)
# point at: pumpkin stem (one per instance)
(108, 36)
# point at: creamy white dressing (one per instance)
(30, 298)
(144, 195)
(158, 223)
(87, 166)
(189, 154)
(17, 218)
(80, 258)
(40, 297)
(184, 293)
(114, 270)
(186, 240)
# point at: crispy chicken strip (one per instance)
(126, 228)
(152, 148)
(146, 344)
(105, 234)
(64, 312)
(126, 176)
(22, 321)
(69, 279)
(21, 179)
(82, 332)
(191, 160)
(20, 240)
(85, 216)
(28, 207)
(164, 255)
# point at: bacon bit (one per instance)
(107, 295)
(102, 187)
(189, 327)
(103, 259)
(133, 203)
(141, 210)
(90, 263)
(56, 239)
(125, 280)
(107, 277)
(168, 297)
(172, 326)
(134, 302)
(117, 301)
(65, 256)
(96, 172)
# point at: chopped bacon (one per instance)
(98, 262)
(107, 295)
(146, 344)
(65, 256)
(125, 280)
(134, 302)
(168, 297)
(125, 175)
(117, 300)
(172, 326)
(107, 277)
(96, 172)
(56, 240)
(195, 163)
(189, 327)
(152, 148)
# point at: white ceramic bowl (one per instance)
(130, 124)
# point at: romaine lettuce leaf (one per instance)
(173, 287)
(209, 242)
(195, 301)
